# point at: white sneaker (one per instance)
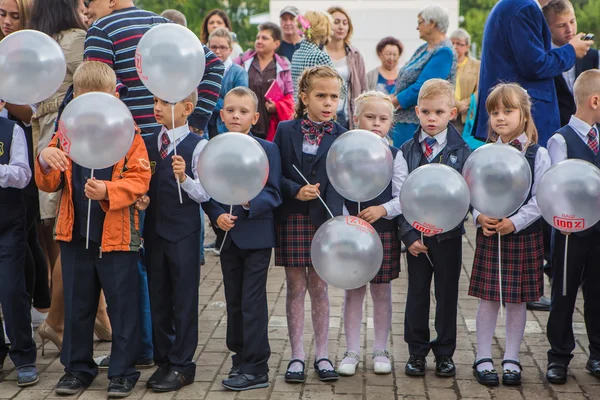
(37, 318)
(382, 368)
(348, 369)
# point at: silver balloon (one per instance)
(568, 195)
(96, 130)
(359, 165)
(32, 67)
(434, 199)
(499, 179)
(233, 168)
(170, 61)
(346, 252)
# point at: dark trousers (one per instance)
(245, 279)
(16, 303)
(36, 267)
(582, 269)
(446, 257)
(173, 278)
(84, 274)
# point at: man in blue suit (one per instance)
(246, 255)
(517, 47)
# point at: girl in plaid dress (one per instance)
(509, 107)
(304, 143)
(375, 112)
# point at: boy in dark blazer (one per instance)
(246, 255)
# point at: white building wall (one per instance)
(375, 19)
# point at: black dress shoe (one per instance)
(594, 367)
(157, 376)
(172, 382)
(234, 371)
(557, 373)
(246, 382)
(69, 385)
(543, 304)
(415, 366)
(444, 366)
(511, 377)
(486, 377)
(294, 377)
(326, 375)
(120, 387)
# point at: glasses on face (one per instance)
(459, 44)
(214, 49)
(86, 3)
(393, 56)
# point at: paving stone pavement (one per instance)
(214, 362)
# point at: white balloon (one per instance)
(346, 252)
(499, 179)
(435, 198)
(359, 165)
(568, 195)
(96, 130)
(32, 67)
(233, 168)
(170, 61)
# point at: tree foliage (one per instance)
(239, 12)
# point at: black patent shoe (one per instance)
(556, 373)
(326, 375)
(157, 376)
(486, 377)
(444, 367)
(511, 377)
(69, 385)
(173, 381)
(294, 377)
(593, 366)
(120, 387)
(415, 366)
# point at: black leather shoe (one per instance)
(486, 377)
(543, 304)
(511, 377)
(326, 375)
(119, 387)
(69, 385)
(234, 371)
(172, 382)
(557, 373)
(295, 377)
(444, 366)
(594, 367)
(157, 376)
(246, 382)
(415, 366)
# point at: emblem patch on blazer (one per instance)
(1, 149)
(152, 167)
(453, 159)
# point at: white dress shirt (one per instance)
(16, 174)
(441, 139)
(557, 147)
(192, 187)
(529, 212)
(400, 174)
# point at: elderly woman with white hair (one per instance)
(434, 59)
(467, 81)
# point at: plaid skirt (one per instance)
(294, 237)
(522, 262)
(390, 266)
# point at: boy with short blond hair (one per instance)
(110, 262)
(577, 140)
(435, 141)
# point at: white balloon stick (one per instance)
(225, 237)
(500, 271)
(423, 243)
(87, 232)
(175, 149)
(308, 183)
(565, 266)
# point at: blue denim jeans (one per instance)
(145, 316)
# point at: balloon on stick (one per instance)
(568, 196)
(233, 169)
(346, 252)
(499, 179)
(32, 67)
(96, 130)
(359, 165)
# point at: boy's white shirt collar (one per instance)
(440, 137)
(581, 127)
(178, 133)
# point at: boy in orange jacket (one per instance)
(111, 261)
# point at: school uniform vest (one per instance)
(11, 199)
(578, 149)
(80, 203)
(165, 216)
(535, 226)
(382, 224)
(566, 101)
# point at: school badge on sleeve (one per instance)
(1, 148)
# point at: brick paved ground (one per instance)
(214, 363)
